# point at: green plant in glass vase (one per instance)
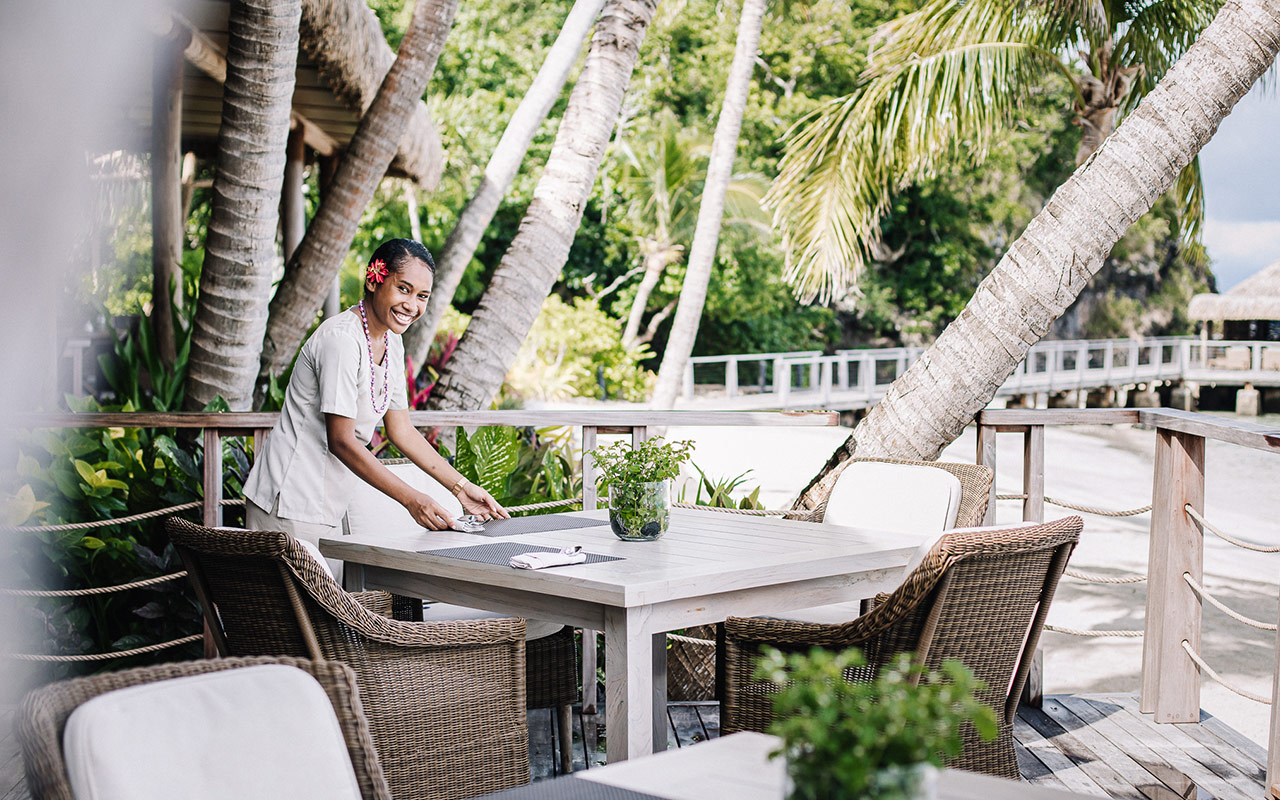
(879, 737)
(638, 482)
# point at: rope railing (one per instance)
(137, 651)
(1095, 578)
(1079, 632)
(106, 523)
(1215, 530)
(1102, 512)
(1208, 670)
(94, 590)
(1216, 603)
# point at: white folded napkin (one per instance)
(564, 557)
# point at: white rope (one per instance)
(1208, 670)
(1078, 632)
(95, 590)
(548, 504)
(753, 512)
(105, 523)
(1257, 548)
(137, 651)
(1200, 590)
(1092, 578)
(1102, 512)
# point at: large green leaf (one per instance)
(496, 457)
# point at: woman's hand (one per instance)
(428, 513)
(476, 500)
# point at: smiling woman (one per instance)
(347, 379)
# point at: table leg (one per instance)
(659, 646)
(628, 685)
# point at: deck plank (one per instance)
(1101, 773)
(1063, 769)
(1187, 754)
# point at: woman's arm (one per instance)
(409, 441)
(341, 435)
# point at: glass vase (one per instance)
(639, 512)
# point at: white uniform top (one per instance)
(331, 376)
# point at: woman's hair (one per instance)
(396, 253)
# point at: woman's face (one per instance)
(400, 299)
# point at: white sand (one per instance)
(1109, 467)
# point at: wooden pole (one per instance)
(166, 193)
(333, 302)
(987, 458)
(1170, 679)
(293, 206)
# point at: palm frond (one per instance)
(1159, 32)
(1188, 194)
(941, 82)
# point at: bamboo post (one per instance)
(1170, 680)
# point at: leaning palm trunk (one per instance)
(660, 254)
(318, 259)
(706, 236)
(498, 174)
(927, 407)
(533, 260)
(235, 283)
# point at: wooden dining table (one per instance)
(707, 567)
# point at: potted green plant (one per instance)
(881, 739)
(638, 480)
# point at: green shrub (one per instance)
(519, 466)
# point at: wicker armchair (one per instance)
(445, 700)
(43, 718)
(979, 596)
(975, 487)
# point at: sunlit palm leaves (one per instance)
(940, 83)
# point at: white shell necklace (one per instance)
(386, 366)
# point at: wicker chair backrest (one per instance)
(240, 572)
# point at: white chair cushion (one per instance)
(316, 554)
(903, 498)
(257, 733)
(371, 511)
(444, 612)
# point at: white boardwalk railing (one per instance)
(859, 378)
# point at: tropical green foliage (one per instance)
(719, 492)
(519, 466)
(73, 475)
(840, 722)
(942, 82)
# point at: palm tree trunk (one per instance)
(1064, 246)
(498, 174)
(235, 283)
(654, 263)
(529, 267)
(706, 236)
(312, 268)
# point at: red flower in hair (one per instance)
(377, 270)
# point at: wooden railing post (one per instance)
(1033, 473)
(212, 516)
(781, 381)
(1170, 680)
(987, 458)
(686, 388)
(731, 378)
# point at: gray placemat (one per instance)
(501, 553)
(519, 526)
(570, 788)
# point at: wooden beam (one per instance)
(166, 194)
(211, 59)
(293, 206)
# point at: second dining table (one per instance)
(707, 567)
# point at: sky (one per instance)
(1240, 168)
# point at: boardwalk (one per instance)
(1097, 745)
(852, 379)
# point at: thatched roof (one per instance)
(344, 39)
(341, 63)
(1255, 297)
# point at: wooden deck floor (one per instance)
(1090, 744)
